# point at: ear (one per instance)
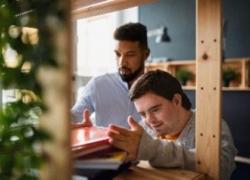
(177, 99)
(147, 52)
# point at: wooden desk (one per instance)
(145, 172)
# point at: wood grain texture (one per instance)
(103, 7)
(146, 172)
(56, 83)
(240, 65)
(208, 86)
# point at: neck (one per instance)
(131, 82)
(184, 118)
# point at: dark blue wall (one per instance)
(179, 18)
(237, 28)
(236, 106)
(236, 111)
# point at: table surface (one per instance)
(145, 172)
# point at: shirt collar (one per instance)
(180, 135)
(188, 126)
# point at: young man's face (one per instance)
(130, 59)
(160, 114)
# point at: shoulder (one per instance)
(105, 82)
(104, 78)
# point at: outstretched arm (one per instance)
(84, 101)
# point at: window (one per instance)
(95, 45)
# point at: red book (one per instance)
(86, 140)
(107, 159)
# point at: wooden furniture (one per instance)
(144, 171)
(240, 65)
(208, 81)
(88, 8)
(56, 83)
(173, 66)
(208, 86)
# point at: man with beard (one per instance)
(107, 95)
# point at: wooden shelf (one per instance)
(188, 87)
(240, 65)
(235, 89)
(223, 88)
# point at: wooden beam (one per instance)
(107, 6)
(76, 4)
(208, 87)
(56, 83)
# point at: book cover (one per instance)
(88, 135)
(82, 151)
(85, 140)
(108, 159)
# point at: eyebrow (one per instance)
(151, 108)
(154, 107)
(129, 51)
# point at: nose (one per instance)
(151, 119)
(122, 61)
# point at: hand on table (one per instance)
(86, 122)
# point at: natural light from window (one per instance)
(95, 45)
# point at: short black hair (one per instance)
(160, 83)
(132, 32)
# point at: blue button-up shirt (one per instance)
(107, 96)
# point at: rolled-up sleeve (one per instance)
(84, 101)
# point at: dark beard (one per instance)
(130, 77)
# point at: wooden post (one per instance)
(56, 83)
(208, 87)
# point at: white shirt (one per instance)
(107, 96)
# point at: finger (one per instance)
(124, 145)
(132, 123)
(115, 137)
(77, 125)
(86, 118)
(86, 115)
(120, 130)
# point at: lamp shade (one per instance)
(161, 35)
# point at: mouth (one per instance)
(157, 127)
(124, 70)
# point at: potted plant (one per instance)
(183, 75)
(229, 74)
